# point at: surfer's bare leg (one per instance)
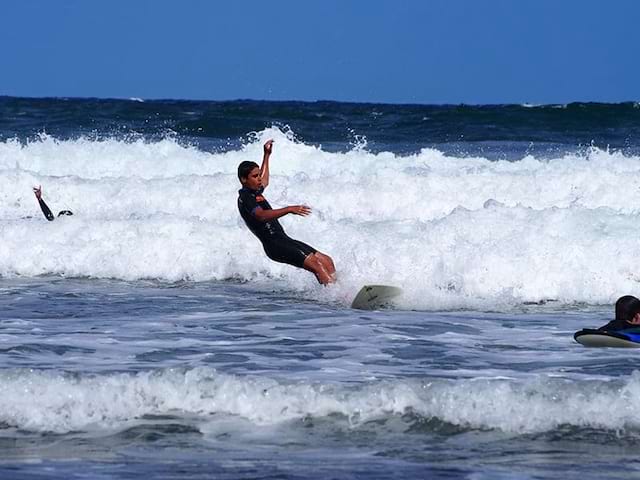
(315, 264)
(327, 261)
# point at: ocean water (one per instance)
(148, 334)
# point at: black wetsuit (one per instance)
(277, 245)
(47, 212)
(616, 325)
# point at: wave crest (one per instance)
(452, 232)
(58, 402)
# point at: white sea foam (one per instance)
(453, 232)
(52, 401)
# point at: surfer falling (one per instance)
(262, 220)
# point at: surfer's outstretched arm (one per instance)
(43, 206)
(264, 169)
(264, 215)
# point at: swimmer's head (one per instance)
(65, 212)
(627, 307)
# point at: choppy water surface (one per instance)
(125, 379)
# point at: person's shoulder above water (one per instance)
(613, 325)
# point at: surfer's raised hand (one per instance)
(268, 147)
(301, 210)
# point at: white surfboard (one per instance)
(375, 297)
(597, 338)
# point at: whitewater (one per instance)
(453, 232)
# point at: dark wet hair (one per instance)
(244, 169)
(65, 212)
(627, 307)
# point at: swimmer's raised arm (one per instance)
(43, 206)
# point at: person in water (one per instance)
(262, 220)
(627, 314)
(43, 206)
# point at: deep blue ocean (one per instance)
(149, 335)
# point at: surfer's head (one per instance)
(627, 307)
(249, 175)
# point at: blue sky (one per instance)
(391, 51)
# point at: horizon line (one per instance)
(257, 100)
